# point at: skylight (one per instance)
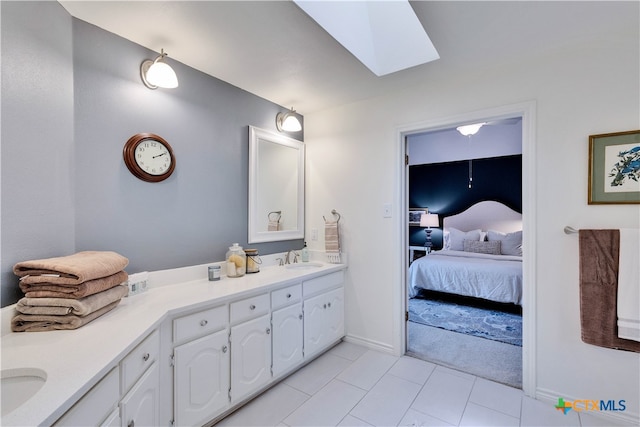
(386, 36)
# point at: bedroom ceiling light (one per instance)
(157, 73)
(288, 122)
(429, 220)
(468, 130)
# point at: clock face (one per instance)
(153, 157)
(149, 157)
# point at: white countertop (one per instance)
(76, 360)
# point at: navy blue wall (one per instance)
(444, 188)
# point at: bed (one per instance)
(481, 258)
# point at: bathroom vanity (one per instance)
(183, 354)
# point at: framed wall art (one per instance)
(614, 168)
(415, 214)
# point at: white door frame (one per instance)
(527, 111)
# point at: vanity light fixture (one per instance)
(157, 73)
(468, 130)
(429, 220)
(288, 122)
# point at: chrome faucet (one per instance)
(295, 257)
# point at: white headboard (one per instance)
(487, 215)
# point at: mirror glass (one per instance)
(276, 187)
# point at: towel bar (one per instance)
(333, 212)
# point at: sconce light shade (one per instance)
(158, 73)
(288, 122)
(429, 220)
(469, 130)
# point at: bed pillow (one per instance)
(511, 243)
(457, 238)
(478, 246)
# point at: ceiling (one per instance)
(274, 50)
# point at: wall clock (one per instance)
(149, 157)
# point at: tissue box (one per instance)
(138, 282)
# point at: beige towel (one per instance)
(332, 241)
(72, 269)
(64, 306)
(273, 226)
(42, 323)
(52, 290)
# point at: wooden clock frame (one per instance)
(128, 154)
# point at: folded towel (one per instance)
(332, 241)
(629, 285)
(273, 225)
(42, 323)
(52, 290)
(599, 253)
(63, 306)
(72, 269)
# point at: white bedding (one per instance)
(492, 277)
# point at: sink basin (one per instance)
(19, 385)
(304, 265)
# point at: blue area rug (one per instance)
(485, 323)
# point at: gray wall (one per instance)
(76, 193)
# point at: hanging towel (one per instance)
(42, 323)
(629, 285)
(72, 269)
(332, 241)
(274, 221)
(51, 290)
(63, 306)
(599, 254)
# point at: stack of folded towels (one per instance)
(68, 292)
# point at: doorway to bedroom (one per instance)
(464, 275)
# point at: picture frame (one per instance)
(614, 168)
(414, 215)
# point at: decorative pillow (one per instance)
(481, 247)
(457, 238)
(511, 243)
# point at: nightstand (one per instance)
(416, 252)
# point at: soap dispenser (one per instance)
(305, 253)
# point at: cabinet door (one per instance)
(250, 356)
(201, 378)
(140, 407)
(315, 330)
(335, 315)
(287, 338)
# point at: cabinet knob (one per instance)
(204, 322)
(288, 295)
(300, 316)
(224, 348)
(329, 304)
(324, 306)
(252, 307)
(132, 423)
(145, 357)
(268, 331)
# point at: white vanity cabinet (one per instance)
(323, 312)
(201, 366)
(287, 335)
(250, 345)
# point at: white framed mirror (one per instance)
(276, 187)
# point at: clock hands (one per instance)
(160, 155)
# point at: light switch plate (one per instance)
(386, 210)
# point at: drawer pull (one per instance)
(329, 305)
(224, 348)
(300, 316)
(268, 331)
(288, 296)
(324, 306)
(204, 322)
(145, 357)
(252, 307)
(132, 423)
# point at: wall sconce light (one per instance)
(157, 73)
(468, 130)
(429, 220)
(288, 122)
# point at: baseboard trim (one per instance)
(373, 345)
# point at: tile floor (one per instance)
(353, 386)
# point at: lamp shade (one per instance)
(429, 220)
(162, 75)
(288, 122)
(468, 130)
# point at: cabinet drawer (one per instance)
(249, 308)
(320, 284)
(200, 323)
(136, 363)
(286, 296)
(94, 407)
